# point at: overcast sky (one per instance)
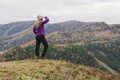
(60, 10)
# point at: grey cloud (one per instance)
(85, 2)
(75, 2)
(60, 10)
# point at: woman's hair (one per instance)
(38, 22)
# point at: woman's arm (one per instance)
(34, 30)
(46, 20)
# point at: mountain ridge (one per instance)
(24, 29)
(71, 53)
(70, 41)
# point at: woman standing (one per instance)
(39, 31)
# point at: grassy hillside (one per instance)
(70, 53)
(50, 70)
(70, 41)
(108, 53)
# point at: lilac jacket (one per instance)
(41, 30)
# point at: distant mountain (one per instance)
(17, 33)
(73, 26)
(0, 24)
(98, 42)
(114, 25)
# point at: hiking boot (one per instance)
(41, 57)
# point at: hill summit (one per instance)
(50, 70)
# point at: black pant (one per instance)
(41, 39)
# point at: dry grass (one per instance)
(50, 70)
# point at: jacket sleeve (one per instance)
(46, 20)
(34, 30)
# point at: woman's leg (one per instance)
(45, 44)
(37, 46)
